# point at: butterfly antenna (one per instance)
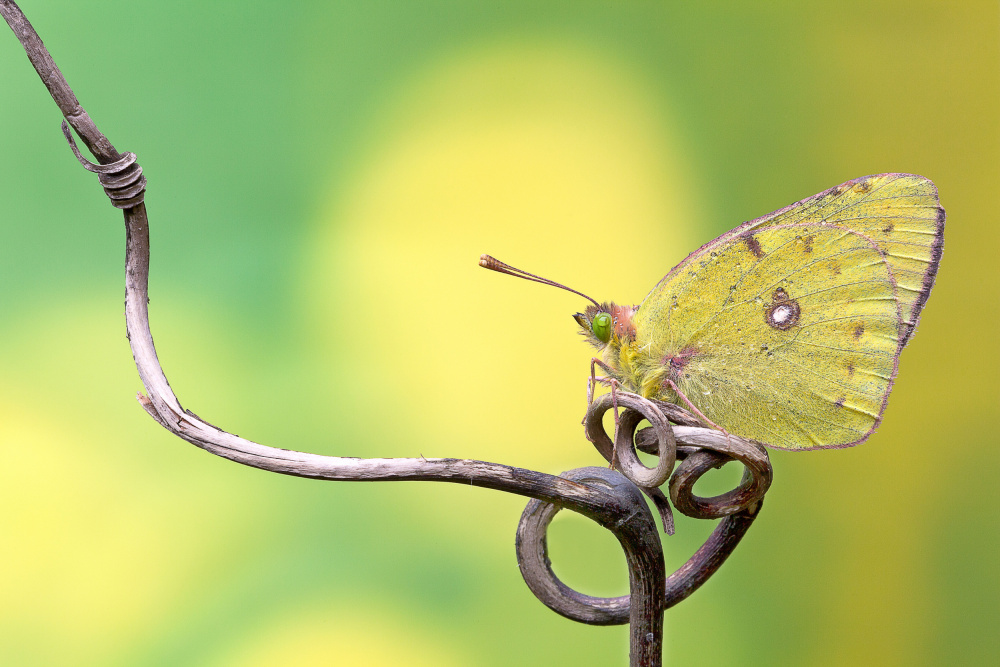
(494, 264)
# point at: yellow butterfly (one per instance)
(786, 330)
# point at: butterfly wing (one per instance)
(900, 213)
(788, 329)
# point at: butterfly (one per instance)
(788, 329)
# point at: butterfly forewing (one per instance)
(900, 213)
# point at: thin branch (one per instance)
(600, 494)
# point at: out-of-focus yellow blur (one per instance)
(322, 183)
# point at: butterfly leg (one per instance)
(698, 413)
(591, 386)
(600, 379)
(593, 380)
(591, 383)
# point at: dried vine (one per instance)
(610, 498)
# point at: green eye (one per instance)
(601, 326)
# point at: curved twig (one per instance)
(602, 495)
(635, 529)
(598, 502)
(163, 405)
(755, 483)
(701, 450)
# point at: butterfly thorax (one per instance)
(640, 366)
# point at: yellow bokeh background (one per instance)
(323, 179)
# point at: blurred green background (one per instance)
(323, 177)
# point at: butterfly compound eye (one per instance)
(601, 326)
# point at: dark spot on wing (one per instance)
(840, 401)
(863, 186)
(783, 313)
(850, 369)
(753, 245)
(808, 241)
(859, 329)
(888, 228)
(677, 362)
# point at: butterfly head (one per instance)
(607, 323)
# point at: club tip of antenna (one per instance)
(487, 262)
